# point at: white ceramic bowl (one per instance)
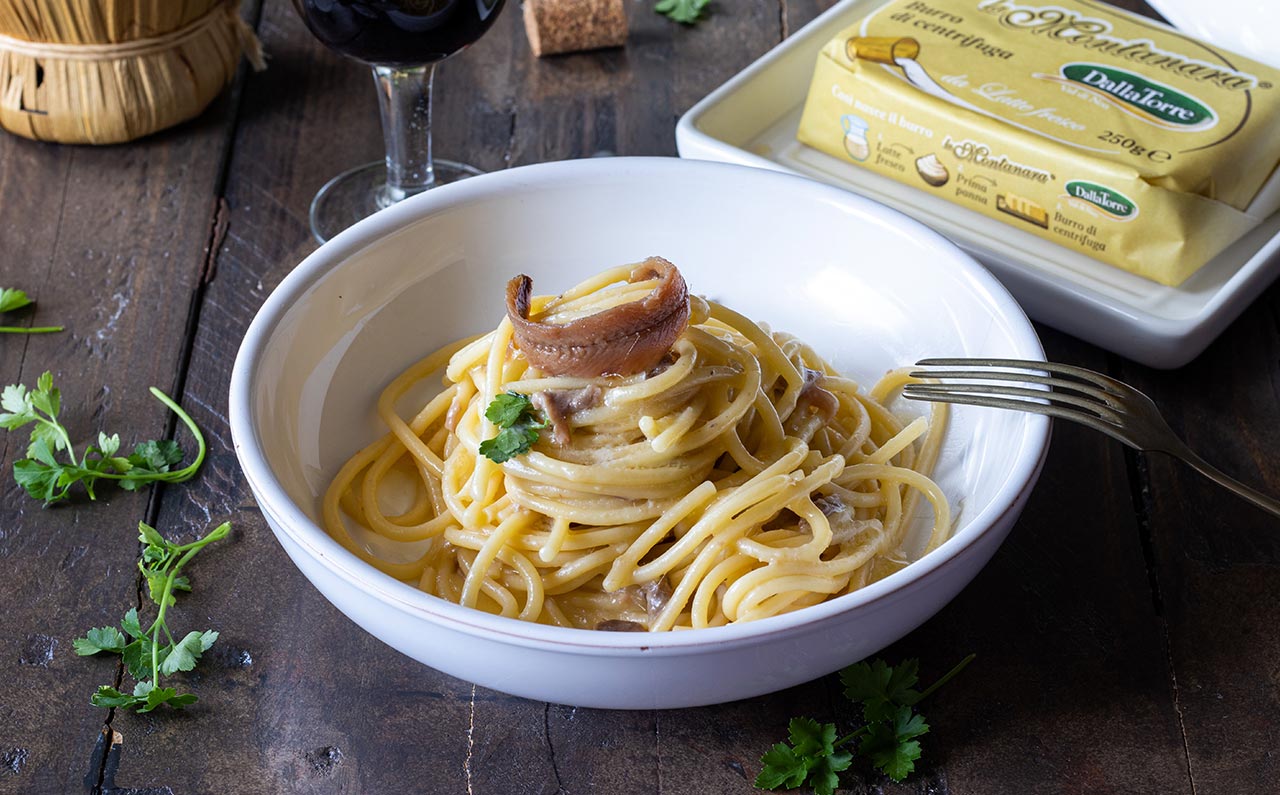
(866, 286)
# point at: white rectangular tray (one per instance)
(752, 120)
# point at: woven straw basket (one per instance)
(107, 71)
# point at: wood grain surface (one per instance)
(1126, 633)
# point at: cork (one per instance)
(556, 26)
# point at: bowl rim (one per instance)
(288, 518)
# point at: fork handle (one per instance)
(1268, 504)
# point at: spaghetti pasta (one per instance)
(741, 477)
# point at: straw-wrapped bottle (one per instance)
(107, 71)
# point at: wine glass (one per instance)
(402, 40)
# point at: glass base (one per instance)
(359, 193)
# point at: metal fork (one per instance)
(1069, 393)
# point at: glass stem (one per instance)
(404, 97)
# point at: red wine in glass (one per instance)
(402, 40)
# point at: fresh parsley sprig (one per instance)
(887, 738)
(518, 423)
(686, 12)
(810, 759)
(11, 299)
(48, 479)
(153, 652)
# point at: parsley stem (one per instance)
(216, 534)
(62, 434)
(155, 630)
(166, 596)
(186, 472)
(177, 476)
(172, 568)
(853, 735)
(31, 330)
(946, 677)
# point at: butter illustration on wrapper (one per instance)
(1023, 209)
(1090, 127)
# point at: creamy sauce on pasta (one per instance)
(709, 490)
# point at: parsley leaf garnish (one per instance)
(887, 738)
(11, 299)
(890, 744)
(880, 687)
(518, 423)
(153, 652)
(686, 12)
(811, 759)
(101, 639)
(48, 479)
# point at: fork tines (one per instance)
(1058, 390)
(1070, 393)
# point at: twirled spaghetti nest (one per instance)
(739, 477)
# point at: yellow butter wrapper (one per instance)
(1098, 130)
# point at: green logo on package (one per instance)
(1111, 202)
(1152, 102)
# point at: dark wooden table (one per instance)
(1128, 633)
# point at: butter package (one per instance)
(1098, 130)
